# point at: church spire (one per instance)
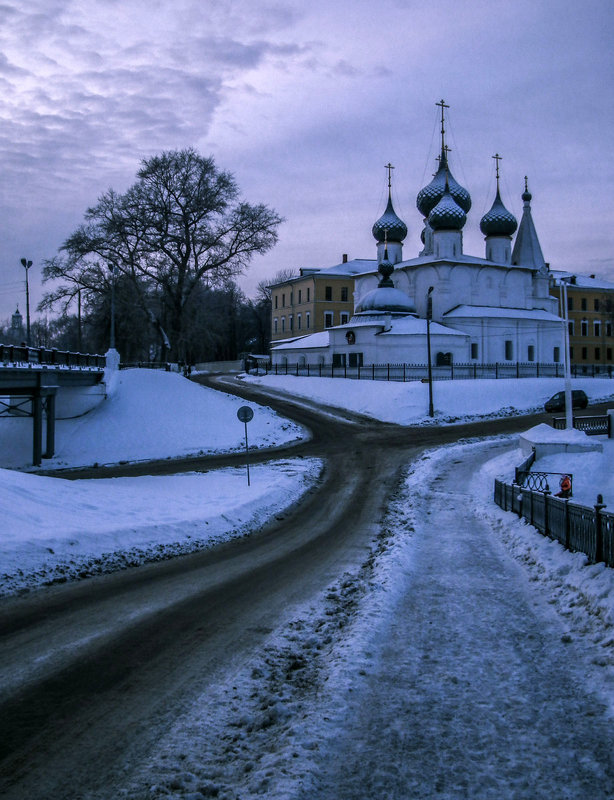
(527, 251)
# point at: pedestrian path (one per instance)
(475, 691)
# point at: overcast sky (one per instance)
(305, 102)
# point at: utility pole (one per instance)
(429, 315)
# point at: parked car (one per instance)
(557, 401)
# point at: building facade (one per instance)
(317, 299)
(590, 312)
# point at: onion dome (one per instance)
(526, 195)
(389, 225)
(386, 298)
(430, 195)
(447, 215)
(498, 221)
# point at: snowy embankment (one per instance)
(56, 530)
(454, 401)
(149, 414)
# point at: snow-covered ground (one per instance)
(453, 401)
(465, 656)
(149, 414)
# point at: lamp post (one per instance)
(112, 336)
(26, 265)
(565, 315)
(429, 315)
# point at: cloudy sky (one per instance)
(305, 102)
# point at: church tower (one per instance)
(498, 226)
(389, 230)
(527, 251)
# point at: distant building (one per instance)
(317, 299)
(492, 309)
(16, 334)
(590, 309)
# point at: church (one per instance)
(483, 310)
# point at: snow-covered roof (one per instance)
(415, 326)
(319, 339)
(583, 281)
(467, 312)
(464, 258)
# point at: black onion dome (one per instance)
(389, 226)
(447, 214)
(428, 197)
(498, 221)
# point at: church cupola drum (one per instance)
(498, 226)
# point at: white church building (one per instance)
(485, 310)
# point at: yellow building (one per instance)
(315, 300)
(590, 308)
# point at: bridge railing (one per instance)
(15, 355)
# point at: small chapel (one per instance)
(485, 310)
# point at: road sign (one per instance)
(245, 414)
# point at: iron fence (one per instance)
(592, 426)
(579, 528)
(417, 372)
(15, 355)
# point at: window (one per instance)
(276, 299)
(344, 294)
(584, 353)
(474, 350)
(328, 319)
(584, 328)
(583, 304)
(300, 299)
(571, 328)
(291, 298)
(328, 292)
(338, 359)
(597, 354)
(283, 300)
(298, 321)
(509, 350)
(345, 317)
(291, 322)
(308, 293)
(596, 304)
(283, 324)
(570, 303)
(531, 352)
(275, 325)
(355, 359)
(608, 329)
(308, 320)
(557, 355)
(597, 327)
(571, 353)
(608, 353)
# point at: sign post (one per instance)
(245, 414)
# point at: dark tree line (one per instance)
(168, 249)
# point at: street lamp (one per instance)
(565, 315)
(112, 337)
(429, 315)
(26, 265)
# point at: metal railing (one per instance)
(578, 528)
(17, 355)
(592, 426)
(417, 372)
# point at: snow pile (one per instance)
(55, 530)
(454, 401)
(150, 414)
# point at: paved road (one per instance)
(93, 672)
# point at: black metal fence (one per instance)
(417, 372)
(592, 426)
(579, 528)
(15, 355)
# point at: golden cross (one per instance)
(497, 158)
(389, 167)
(443, 130)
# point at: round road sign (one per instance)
(245, 414)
